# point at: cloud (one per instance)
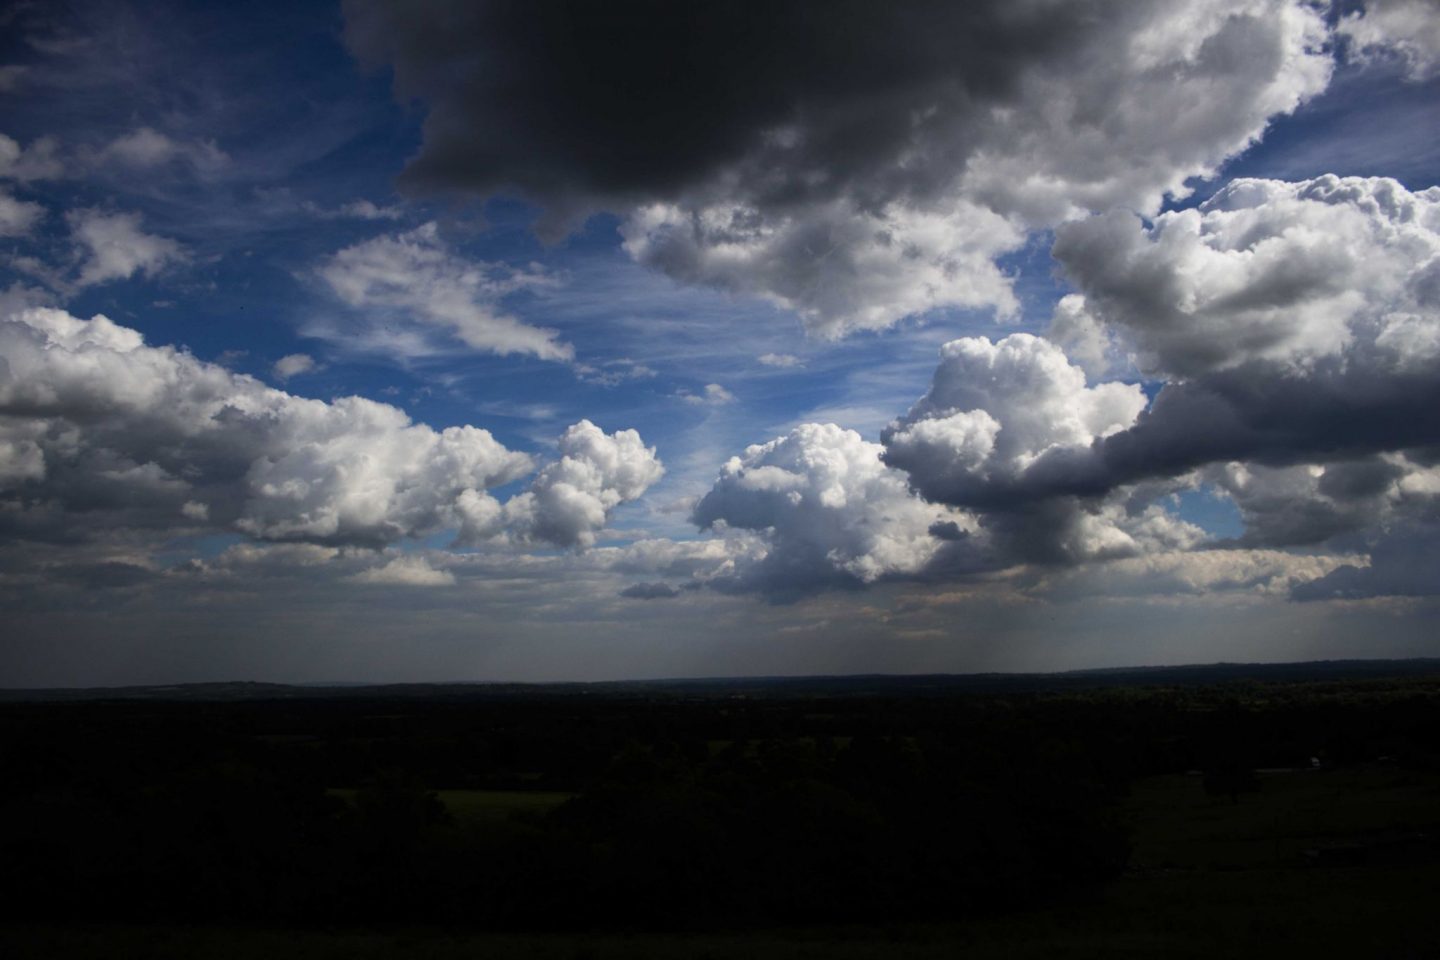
(18, 216)
(714, 396)
(368, 210)
(146, 149)
(857, 168)
(102, 433)
(1303, 317)
(414, 281)
(1405, 564)
(39, 161)
(292, 365)
(993, 409)
(1264, 270)
(828, 511)
(1407, 29)
(782, 360)
(612, 373)
(1273, 573)
(842, 268)
(571, 499)
(649, 591)
(832, 510)
(406, 570)
(115, 248)
(12, 77)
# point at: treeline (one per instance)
(685, 812)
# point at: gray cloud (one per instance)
(1281, 365)
(1406, 29)
(649, 591)
(1406, 564)
(853, 162)
(17, 217)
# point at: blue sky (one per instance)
(379, 202)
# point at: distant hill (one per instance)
(919, 685)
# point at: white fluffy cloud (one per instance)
(571, 499)
(102, 432)
(1409, 29)
(1266, 270)
(993, 409)
(935, 500)
(115, 248)
(827, 510)
(292, 365)
(413, 281)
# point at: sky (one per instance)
(461, 341)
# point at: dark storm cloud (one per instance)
(1250, 413)
(1406, 564)
(854, 162)
(577, 103)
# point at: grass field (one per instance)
(484, 807)
(488, 806)
(1208, 879)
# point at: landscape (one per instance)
(761, 478)
(1230, 810)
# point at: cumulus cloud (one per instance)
(292, 365)
(1301, 320)
(1263, 270)
(413, 281)
(1407, 29)
(571, 499)
(102, 432)
(828, 510)
(993, 409)
(18, 216)
(827, 170)
(113, 247)
(935, 500)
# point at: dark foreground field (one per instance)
(1283, 817)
